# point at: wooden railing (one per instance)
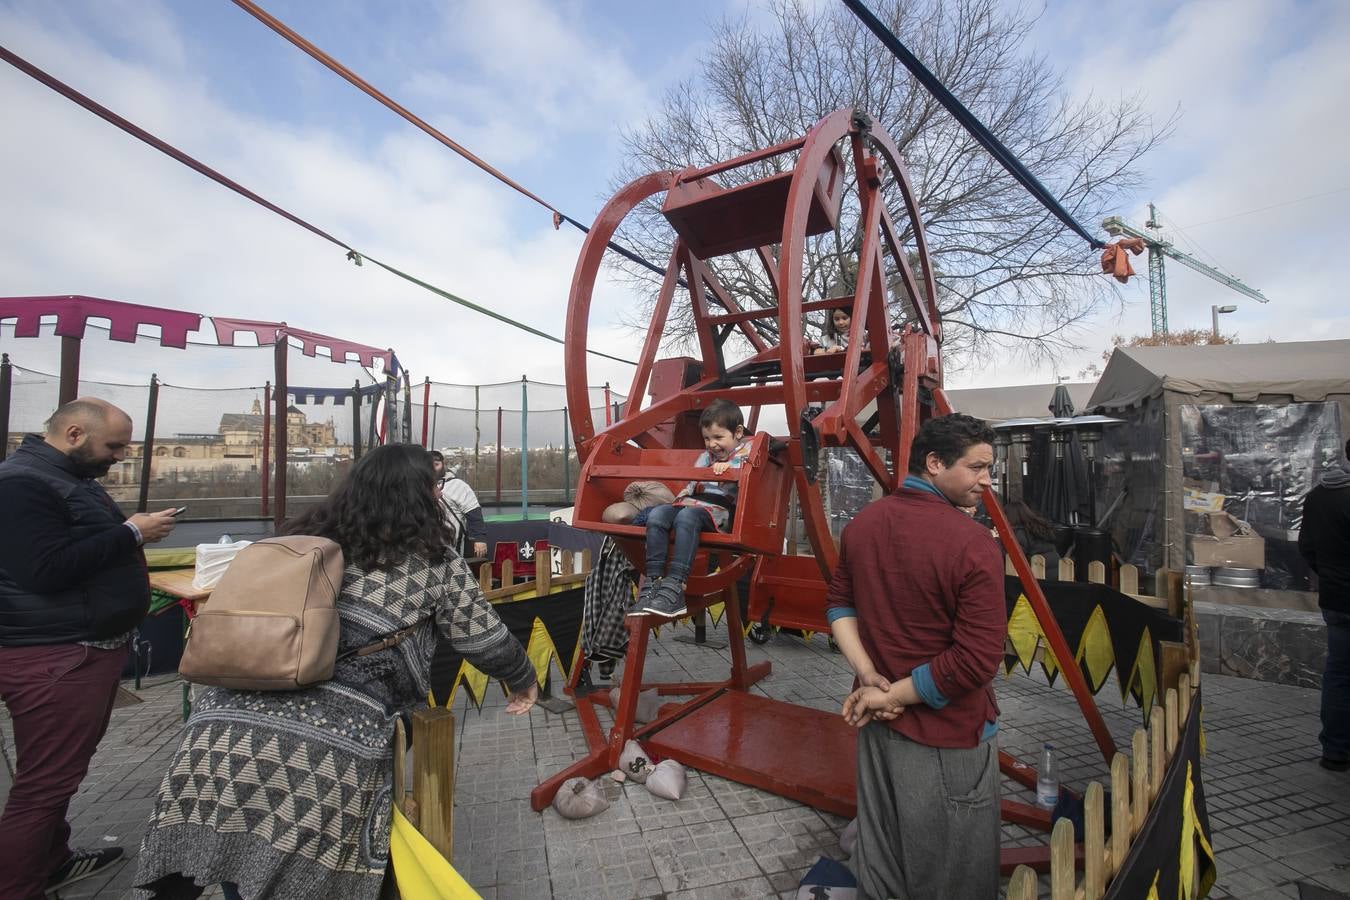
(1136, 778)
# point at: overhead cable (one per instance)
(169, 150)
(982, 135)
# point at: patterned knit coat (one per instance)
(287, 794)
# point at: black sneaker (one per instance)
(1335, 765)
(645, 594)
(80, 865)
(667, 600)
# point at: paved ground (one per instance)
(1278, 818)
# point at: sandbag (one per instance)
(645, 494)
(634, 763)
(648, 705)
(579, 798)
(621, 513)
(667, 780)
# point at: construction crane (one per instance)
(1157, 276)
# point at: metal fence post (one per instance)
(148, 445)
(524, 448)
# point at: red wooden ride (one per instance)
(870, 405)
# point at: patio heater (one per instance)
(1090, 543)
(1014, 433)
(1089, 430)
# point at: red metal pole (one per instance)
(265, 474)
(426, 409)
(70, 370)
(499, 458)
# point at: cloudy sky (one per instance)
(542, 89)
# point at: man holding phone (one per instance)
(73, 586)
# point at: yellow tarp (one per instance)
(420, 870)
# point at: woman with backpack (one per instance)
(287, 793)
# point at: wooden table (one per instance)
(177, 583)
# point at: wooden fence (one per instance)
(1136, 777)
(429, 805)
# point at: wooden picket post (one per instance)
(1066, 570)
(543, 573)
(1097, 572)
(1062, 867)
(1094, 842)
(1138, 781)
(1121, 820)
(1008, 567)
(1184, 697)
(1038, 567)
(1157, 755)
(1022, 885)
(1129, 579)
(434, 776)
(1170, 706)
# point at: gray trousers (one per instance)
(928, 819)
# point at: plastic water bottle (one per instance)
(1047, 779)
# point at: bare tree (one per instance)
(1008, 272)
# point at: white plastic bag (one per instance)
(212, 561)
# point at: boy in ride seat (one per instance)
(700, 506)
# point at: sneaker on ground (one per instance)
(1335, 765)
(666, 600)
(80, 865)
(644, 596)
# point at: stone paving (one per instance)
(1279, 820)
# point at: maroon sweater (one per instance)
(926, 582)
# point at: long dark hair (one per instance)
(384, 511)
(1021, 515)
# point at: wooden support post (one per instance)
(543, 573)
(69, 387)
(434, 776)
(1157, 755)
(1170, 713)
(1121, 822)
(6, 387)
(508, 573)
(1062, 869)
(1066, 572)
(1173, 663)
(1022, 885)
(1094, 841)
(1138, 781)
(400, 765)
(1168, 583)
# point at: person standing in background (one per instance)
(1324, 541)
(73, 586)
(462, 508)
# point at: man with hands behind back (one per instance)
(73, 586)
(917, 607)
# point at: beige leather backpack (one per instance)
(272, 622)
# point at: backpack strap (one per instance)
(384, 643)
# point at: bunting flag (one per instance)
(1173, 848)
(310, 341)
(1105, 629)
(317, 396)
(74, 311)
(549, 628)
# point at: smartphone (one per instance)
(179, 511)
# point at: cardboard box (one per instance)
(1233, 542)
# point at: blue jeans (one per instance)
(687, 522)
(1335, 735)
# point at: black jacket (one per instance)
(69, 569)
(1324, 539)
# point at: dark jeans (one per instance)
(1335, 735)
(59, 697)
(686, 522)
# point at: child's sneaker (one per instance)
(667, 600)
(644, 596)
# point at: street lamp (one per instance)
(1214, 312)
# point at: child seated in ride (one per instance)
(700, 506)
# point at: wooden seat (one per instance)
(715, 221)
(762, 483)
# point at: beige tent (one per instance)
(1169, 396)
(1022, 401)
